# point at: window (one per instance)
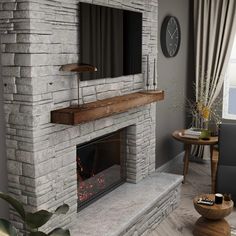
(229, 98)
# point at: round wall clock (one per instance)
(170, 36)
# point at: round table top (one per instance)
(216, 211)
(178, 136)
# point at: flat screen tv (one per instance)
(111, 40)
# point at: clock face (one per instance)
(170, 36)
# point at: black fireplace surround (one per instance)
(100, 166)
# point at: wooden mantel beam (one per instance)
(103, 108)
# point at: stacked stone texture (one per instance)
(149, 220)
(37, 37)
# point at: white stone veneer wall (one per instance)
(38, 36)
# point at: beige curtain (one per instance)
(214, 29)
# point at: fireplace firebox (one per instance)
(100, 166)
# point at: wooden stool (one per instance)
(205, 227)
(212, 222)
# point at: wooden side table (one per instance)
(212, 222)
(187, 146)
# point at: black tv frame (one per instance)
(128, 57)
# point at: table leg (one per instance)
(212, 170)
(187, 148)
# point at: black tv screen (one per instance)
(111, 40)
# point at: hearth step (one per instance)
(131, 209)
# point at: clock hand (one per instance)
(173, 33)
(170, 34)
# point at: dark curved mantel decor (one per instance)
(75, 67)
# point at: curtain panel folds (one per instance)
(214, 30)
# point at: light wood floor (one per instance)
(180, 222)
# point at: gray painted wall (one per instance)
(173, 77)
(3, 167)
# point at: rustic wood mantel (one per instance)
(74, 115)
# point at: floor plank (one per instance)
(181, 221)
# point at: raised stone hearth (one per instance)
(131, 209)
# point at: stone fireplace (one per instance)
(37, 38)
